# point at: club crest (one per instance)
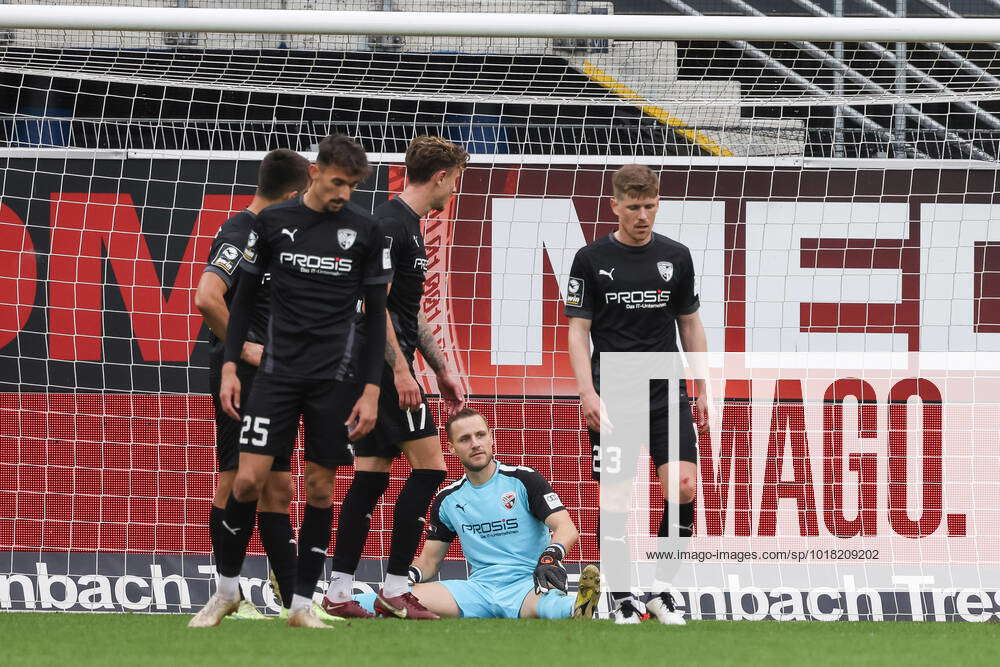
(345, 237)
(508, 499)
(666, 270)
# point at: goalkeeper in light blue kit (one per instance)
(514, 533)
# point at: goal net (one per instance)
(839, 198)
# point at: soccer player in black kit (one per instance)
(282, 175)
(607, 277)
(323, 254)
(405, 424)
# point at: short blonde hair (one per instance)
(637, 181)
(428, 155)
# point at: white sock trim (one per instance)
(300, 602)
(229, 587)
(395, 585)
(341, 586)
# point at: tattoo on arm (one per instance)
(392, 351)
(428, 344)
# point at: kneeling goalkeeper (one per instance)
(503, 516)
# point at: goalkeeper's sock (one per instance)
(237, 528)
(408, 518)
(314, 540)
(279, 544)
(555, 604)
(355, 520)
(685, 519)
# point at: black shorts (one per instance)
(659, 434)
(227, 429)
(395, 426)
(271, 418)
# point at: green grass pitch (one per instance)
(160, 639)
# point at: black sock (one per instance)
(685, 519)
(215, 517)
(314, 540)
(408, 518)
(279, 544)
(236, 528)
(356, 518)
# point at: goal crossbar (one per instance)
(624, 27)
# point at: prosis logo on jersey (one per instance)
(331, 266)
(651, 298)
(488, 528)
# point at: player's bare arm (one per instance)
(449, 386)
(563, 529)
(210, 300)
(239, 320)
(692, 334)
(429, 561)
(365, 411)
(406, 384)
(579, 359)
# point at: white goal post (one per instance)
(627, 27)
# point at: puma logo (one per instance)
(317, 550)
(231, 530)
(609, 274)
(291, 234)
(461, 507)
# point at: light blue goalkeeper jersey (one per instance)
(499, 524)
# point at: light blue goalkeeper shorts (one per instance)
(487, 599)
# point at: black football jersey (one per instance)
(224, 261)
(631, 294)
(319, 264)
(401, 226)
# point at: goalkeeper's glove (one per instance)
(415, 575)
(550, 573)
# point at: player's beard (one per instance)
(335, 205)
(471, 468)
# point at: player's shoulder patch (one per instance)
(574, 291)
(227, 258)
(250, 251)
(552, 500)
